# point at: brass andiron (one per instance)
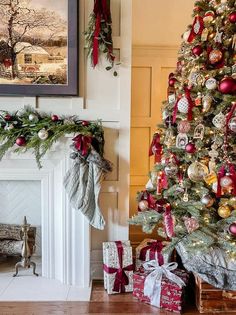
(26, 255)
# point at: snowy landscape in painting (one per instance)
(33, 42)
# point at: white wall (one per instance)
(105, 97)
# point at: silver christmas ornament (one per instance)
(197, 171)
(232, 124)
(33, 117)
(43, 134)
(219, 121)
(183, 105)
(211, 84)
(207, 200)
(171, 169)
(226, 182)
(143, 205)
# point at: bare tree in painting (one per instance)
(19, 19)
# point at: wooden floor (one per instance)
(100, 303)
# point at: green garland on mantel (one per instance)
(28, 129)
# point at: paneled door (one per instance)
(150, 70)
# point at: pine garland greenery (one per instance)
(20, 131)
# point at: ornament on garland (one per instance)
(98, 36)
(21, 141)
(8, 117)
(33, 117)
(9, 127)
(54, 118)
(43, 134)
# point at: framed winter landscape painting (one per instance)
(38, 47)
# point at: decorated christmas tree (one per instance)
(191, 195)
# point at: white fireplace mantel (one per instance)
(65, 231)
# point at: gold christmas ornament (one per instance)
(224, 211)
(215, 56)
(211, 178)
(206, 103)
(197, 171)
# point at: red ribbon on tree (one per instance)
(82, 144)
(102, 13)
(121, 278)
(176, 109)
(155, 251)
(231, 174)
(197, 28)
(156, 148)
(168, 221)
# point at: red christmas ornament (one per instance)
(54, 118)
(20, 141)
(7, 117)
(232, 229)
(227, 86)
(190, 148)
(85, 123)
(197, 50)
(172, 81)
(232, 17)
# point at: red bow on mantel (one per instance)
(121, 278)
(82, 144)
(155, 248)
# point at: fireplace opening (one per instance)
(18, 199)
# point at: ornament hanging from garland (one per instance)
(98, 36)
(28, 129)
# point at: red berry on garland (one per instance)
(20, 141)
(85, 123)
(197, 50)
(227, 86)
(232, 17)
(172, 81)
(7, 117)
(54, 118)
(190, 148)
(232, 229)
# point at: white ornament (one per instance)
(183, 105)
(211, 84)
(218, 37)
(232, 124)
(43, 134)
(150, 186)
(181, 140)
(171, 99)
(33, 117)
(199, 132)
(219, 121)
(143, 205)
(186, 35)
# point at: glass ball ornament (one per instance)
(224, 211)
(197, 171)
(143, 205)
(232, 229)
(207, 201)
(227, 85)
(232, 17)
(211, 84)
(183, 105)
(33, 117)
(184, 126)
(190, 148)
(21, 141)
(232, 124)
(171, 169)
(226, 182)
(43, 134)
(215, 56)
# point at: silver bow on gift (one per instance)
(152, 284)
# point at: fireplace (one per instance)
(65, 233)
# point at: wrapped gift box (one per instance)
(171, 295)
(118, 267)
(150, 249)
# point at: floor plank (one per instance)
(101, 303)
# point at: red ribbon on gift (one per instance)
(121, 278)
(155, 248)
(156, 148)
(82, 144)
(197, 28)
(232, 174)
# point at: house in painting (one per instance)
(28, 54)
